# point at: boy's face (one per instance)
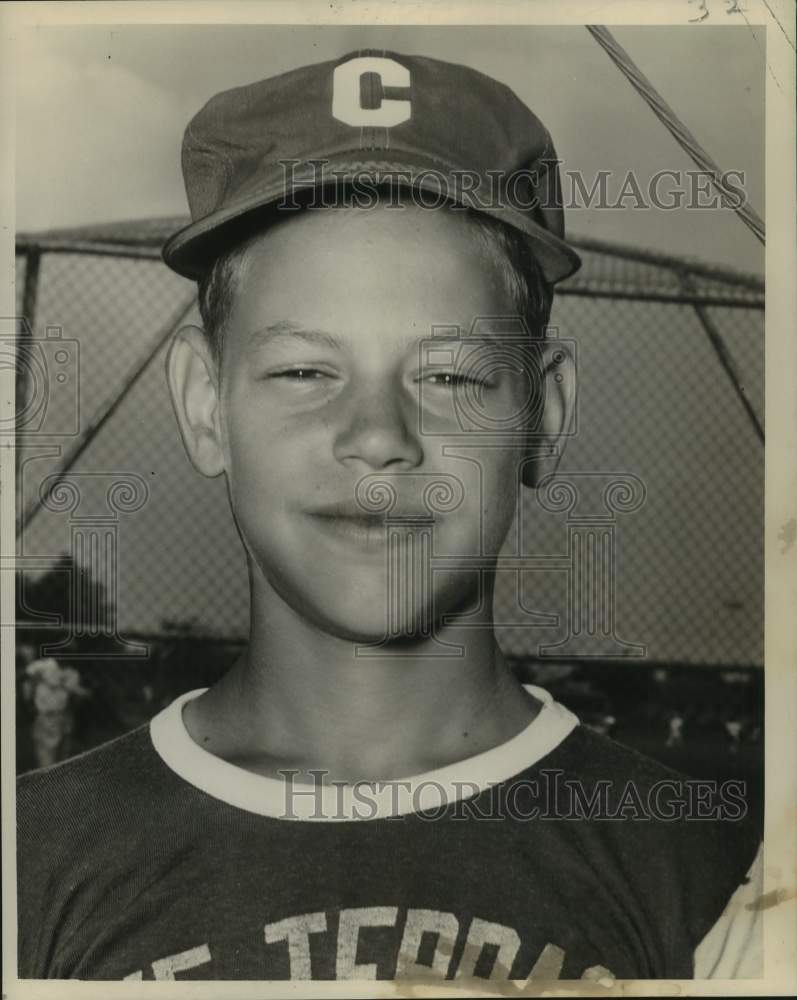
(324, 380)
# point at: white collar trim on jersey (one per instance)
(339, 801)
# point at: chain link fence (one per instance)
(670, 358)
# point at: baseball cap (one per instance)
(438, 129)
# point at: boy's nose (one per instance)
(379, 431)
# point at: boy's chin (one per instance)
(363, 616)
(365, 609)
(365, 627)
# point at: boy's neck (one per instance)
(299, 698)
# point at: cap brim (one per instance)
(192, 250)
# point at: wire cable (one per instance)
(675, 126)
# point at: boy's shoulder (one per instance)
(653, 817)
(105, 785)
(128, 748)
(593, 758)
(589, 751)
(622, 783)
(647, 831)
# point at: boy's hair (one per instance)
(530, 293)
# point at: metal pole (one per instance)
(673, 298)
(23, 346)
(109, 249)
(724, 356)
(695, 266)
(29, 299)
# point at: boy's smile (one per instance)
(348, 522)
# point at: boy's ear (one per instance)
(547, 439)
(193, 384)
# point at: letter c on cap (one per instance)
(346, 105)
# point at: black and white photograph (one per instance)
(398, 539)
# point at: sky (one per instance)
(101, 112)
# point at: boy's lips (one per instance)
(349, 510)
(350, 522)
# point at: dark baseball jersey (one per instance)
(559, 854)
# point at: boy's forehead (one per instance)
(392, 218)
(358, 245)
(330, 271)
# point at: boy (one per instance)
(369, 793)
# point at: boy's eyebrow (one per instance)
(287, 328)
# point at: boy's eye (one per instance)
(452, 380)
(299, 374)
